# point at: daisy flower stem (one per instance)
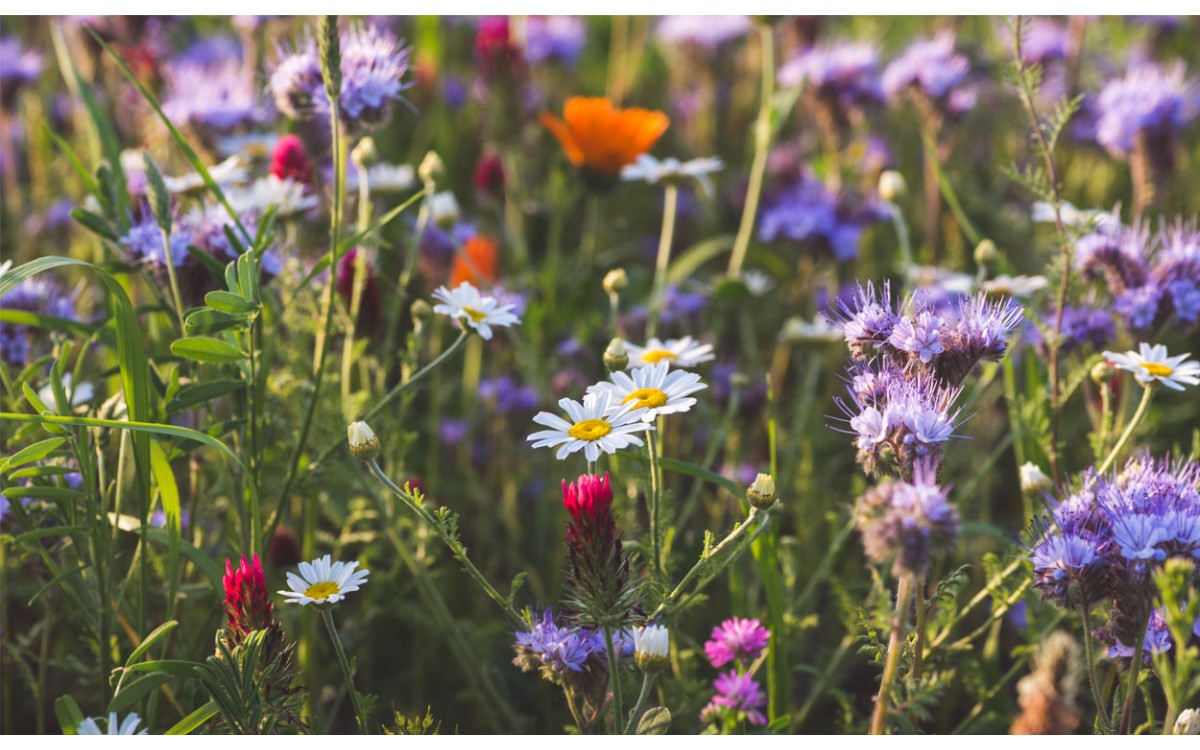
(762, 147)
(670, 204)
(1147, 394)
(450, 540)
(655, 509)
(895, 646)
(647, 684)
(359, 716)
(614, 680)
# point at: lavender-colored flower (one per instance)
(507, 395)
(845, 74)
(556, 649)
(739, 693)
(918, 335)
(19, 67)
(736, 639)
(1045, 40)
(1138, 306)
(702, 32)
(809, 212)
(1084, 325)
(1059, 559)
(980, 333)
(1116, 252)
(452, 431)
(1149, 100)
(867, 318)
(1157, 640)
(554, 38)
(933, 67)
(40, 294)
(907, 523)
(215, 96)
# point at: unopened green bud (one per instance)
(986, 253)
(761, 494)
(1102, 372)
(363, 443)
(421, 311)
(892, 186)
(431, 168)
(615, 281)
(615, 356)
(365, 153)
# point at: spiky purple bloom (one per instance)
(702, 32)
(919, 335)
(374, 63)
(907, 523)
(809, 212)
(1138, 306)
(1060, 559)
(845, 74)
(934, 68)
(1150, 101)
(739, 693)
(1116, 252)
(554, 38)
(508, 395)
(1084, 325)
(216, 96)
(40, 294)
(1157, 640)
(1045, 40)
(556, 649)
(736, 639)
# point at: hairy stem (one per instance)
(895, 647)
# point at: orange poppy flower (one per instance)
(600, 138)
(476, 262)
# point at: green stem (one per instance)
(919, 628)
(670, 204)
(1089, 656)
(614, 679)
(455, 546)
(174, 280)
(359, 716)
(762, 147)
(905, 244)
(1147, 394)
(895, 647)
(643, 696)
(656, 562)
(1134, 668)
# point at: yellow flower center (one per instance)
(322, 590)
(654, 356)
(590, 429)
(474, 314)
(1156, 369)
(646, 398)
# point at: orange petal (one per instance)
(565, 137)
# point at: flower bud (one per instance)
(651, 648)
(421, 311)
(443, 210)
(739, 380)
(1102, 372)
(363, 443)
(761, 494)
(615, 281)
(615, 356)
(892, 186)
(431, 168)
(1188, 722)
(365, 153)
(1033, 479)
(986, 253)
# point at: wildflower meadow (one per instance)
(599, 375)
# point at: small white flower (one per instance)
(671, 170)
(363, 443)
(652, 640)
(4, 267)
(228, 172)
(465, 303)
(322, 582)
(757, 282)
(288, 196)
(684, 352)
(653, 388)
(128, 726)
(1073, 217)
(1152, 365)
(951, 282)
(819, 331)
(1014, 286)
(1188, 722)
(594, 427)
(80, 394)
(443, 209)
(391, 178)
(1033, 479)
(251, 146)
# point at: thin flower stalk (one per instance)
(614, 678)
(1147, 394)
(895, 647)
(762, 148)
(666, 237)
(359, 716)
(640, 706)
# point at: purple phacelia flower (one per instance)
(702, 32)
(19, 68)
(215, 97)
(554, 38)
(907, 523)
(844, 75)
(809, 212)
(934, 68)
(556, 649)
(1138, 306)
(918, 335)
(1157, 640)
(1084, 325)
(736, 639)
(1148, 101)
(40, 294)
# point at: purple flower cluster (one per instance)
(214, 95)
(19, 67)
(907, 523)
(845, 75)
(554, 38)
(701, 32)
(1149, 101)
(40, 294)
(738, 695)
(507, 394)
(1152, 276)
(1103, 540)
(809, 212)
(932, 67)
(374, 63)
(558, 650)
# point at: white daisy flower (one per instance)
(684, 352)
(479, 311)
(1073, 217)
(128, 726)
(757, 282)
(671, 170)
(290, 197)
(594, 426)
(797, 330)
(251, 146)
(1152, 365)
(652, 388)
(1014, 286)
(385, 178)
(228, 172)
(323, 582)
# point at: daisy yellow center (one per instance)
(654, 356)
(474, 314)
(646, 398)
(322, 590)
(590, 429)
(1156, 369)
